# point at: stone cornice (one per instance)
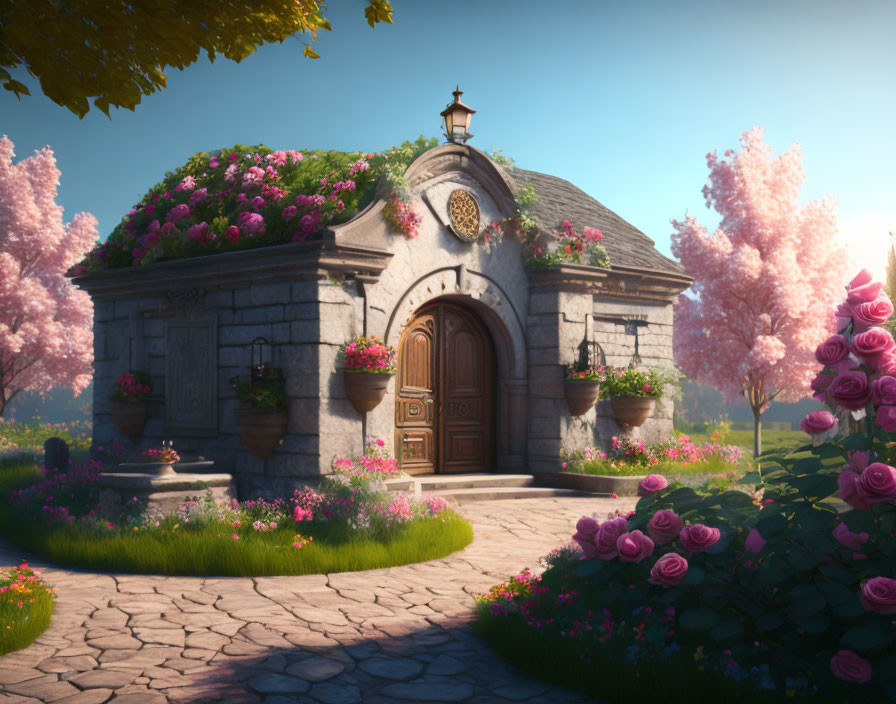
(637, 285)
(287, 262)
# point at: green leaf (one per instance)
(729, 629)
(586, 568)
(770, 526)
(800, 558)
(769, 621)
(835, 593)
(849, 610)
(698, 619)
(815, 624)
(806, 600)
(693, 576)
(751, 478)
(866, 638)
(310, 53)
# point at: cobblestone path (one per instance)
(395, 635)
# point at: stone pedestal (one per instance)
(163, 493)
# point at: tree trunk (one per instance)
(757, 431)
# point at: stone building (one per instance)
(482, 339)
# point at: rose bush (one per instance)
(788, 589)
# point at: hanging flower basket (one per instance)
(632, 411)
(365, 389)
(261, 429)
(130, 416)
(581, 394)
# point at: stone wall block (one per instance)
(542, 336)
(103, 311)
(546, 447)
(238, 356)
(303, 291)
(546, 381)
(304, 414)
(329, 293)
(304, 331)
(222, 298)
(263, 294)
(301, 311)
(259, 314)
(244, 334)
(303, 385)
(292, 465)
(544, 302)
(338, 323)
(154, 327)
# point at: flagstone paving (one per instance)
(394, 635)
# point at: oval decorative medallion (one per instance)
(463, 212)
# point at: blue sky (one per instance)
(624, 99)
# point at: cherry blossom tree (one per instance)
(765, 282)
(46, 324)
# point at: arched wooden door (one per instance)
(444, 404)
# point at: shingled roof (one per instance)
(559, 200)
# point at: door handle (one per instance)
(407, 438)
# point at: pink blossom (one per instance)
(883, 391)
(197, 196)
(289, 212)
(664, 526)
(253, 175)
(850, 667)
(187, 184)
(258, 202)
(818, 422)
(634, 546)
(872, 346)
(232, 233)
(876, 312)
(698, 537)
(651, 484)
(754, 278)
(301, 514)
(586, 531)
(865, 293)
(178, 212)
(879, 595)
(754, 541)
(201, 233)
(832, 350)
(848, 493)
(877, 483)
(231, 172)
(851, 390)
(849, 539)
(669, 569)
(820, 384)
(250, 223)
(607, 537)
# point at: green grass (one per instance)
(715, 465)
(21, 619)
(772, 440)
(211, 551)
(18, 437)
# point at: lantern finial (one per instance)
(457, 119)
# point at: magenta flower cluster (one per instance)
(368, 354)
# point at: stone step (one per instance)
(502, 492)
(473, 481)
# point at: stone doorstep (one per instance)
(499, 493)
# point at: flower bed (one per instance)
(786, 593)
(632, 458)
(26, 605)
(348, 522)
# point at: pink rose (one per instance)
(885, 418)
(832, 350)
(879, 594)
(232, 233)
(849, 539)
(887, 365)
(848, 666)
(634, 546)
(178, 212)
(664, 527)
(820, 384)
(844, 316)
(608, 535)
(877, 483)
(754, 542)
(851, 390)
(586, 531)
(864, 293)
(698, 537)
(873, 346)
(876, 312)
(883, 391)
(859, 459)
(651, 484)
(847, 492)
(669, 569)
(862, 278)
(818, 422)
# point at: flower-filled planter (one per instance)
(369, 364)
(632, 394)
(262, 417)
(159, 463)
(130, 405)
(581, 387)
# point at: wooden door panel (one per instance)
(415, 432)
(466, 424)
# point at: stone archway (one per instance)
(501, 317)
(444, 392)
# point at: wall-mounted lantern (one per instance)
(457, 119)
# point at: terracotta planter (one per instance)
(261, 429)
(130, 417)
(630, 411)
(365, 390)
(581, 395)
